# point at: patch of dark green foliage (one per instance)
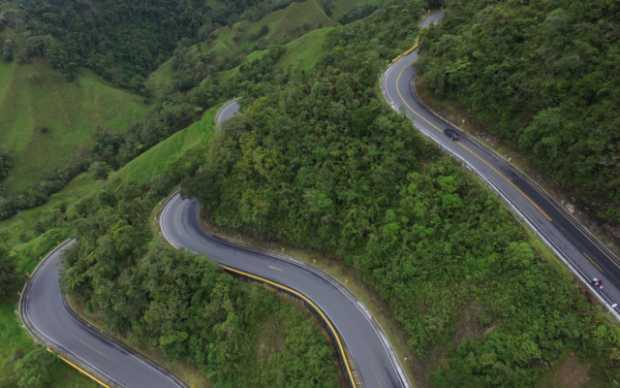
(9, 278)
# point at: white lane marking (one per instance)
(273, 267)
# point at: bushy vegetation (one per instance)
(34, 369)
(542, 76)
(320, 162)
(5, 165)
(9, 280)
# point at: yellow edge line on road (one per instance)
(594, 263)
(544, 213)
(298, 294)
(78, 368)
(408, 51)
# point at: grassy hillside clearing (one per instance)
(45, 122)
(160, 158)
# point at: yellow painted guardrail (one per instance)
(78, 368)
(315, 307)
(415, 46)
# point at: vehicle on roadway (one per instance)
(452, 133)
(597, 283)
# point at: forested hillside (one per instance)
(54, 131)
(121, 40)
(319, 161)
(542, 76)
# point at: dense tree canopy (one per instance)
(544, 77)
(34, 369)
(121, 40)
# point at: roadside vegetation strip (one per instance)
(341, 347)
(79, 369)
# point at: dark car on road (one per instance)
(452, 133)
(597, 283)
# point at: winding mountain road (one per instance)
(573, 244)
(367, 353)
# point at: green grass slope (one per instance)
(293, 21)
(306, 51)
(46, 121)
(159, 158)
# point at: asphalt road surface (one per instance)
(227, 112)
(48, 319)
(573, 244)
